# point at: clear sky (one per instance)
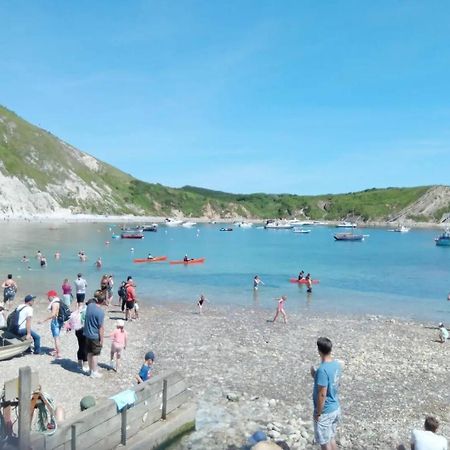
(297, 96)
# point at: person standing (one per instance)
(280, 308)
(67, 292)
(23, 327)
(9, 290)
(93, 331)
(428, 439)
(77, 323)
(80, 289)
(256, 282)
(122, 293)
(131, 298)
(327, 408)
(55, 321)
(110, 289)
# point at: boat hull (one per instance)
(187, 263)
(153, 260)
(11, 346)
(349, 237)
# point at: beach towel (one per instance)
(124, 398)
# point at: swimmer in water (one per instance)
(256, 282)
(202, 300)
(98, 263)
(25, 259)
(43, 261)
(280, 308)
(38, 254)
(308, 283)
(57, 255)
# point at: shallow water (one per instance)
(394, 274)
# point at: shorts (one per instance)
(55, 327)
(93, 346)
(325, 427)
(80, 298)
(130, 304)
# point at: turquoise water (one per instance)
(403, 275)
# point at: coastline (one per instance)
(248, 374)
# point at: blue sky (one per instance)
(243, 96)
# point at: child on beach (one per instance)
(119, 342)
(200, 303)
(443, 333)
(280, 308)
(146, 369)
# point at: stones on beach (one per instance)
(233, 397)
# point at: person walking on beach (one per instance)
(280, 308)
(23, 326)
(67, 292)
(146, 369)
(80, 289)
(428, 439)
(56, 322)
(201, 301)
(443, 333)
(327, 408)
(119, 342)
(93, 331)
(122, 294)
(256, 282)
(9, 290)
(110, 289)
(77, 323)
(131, 298)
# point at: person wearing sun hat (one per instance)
(119, 340)
(56, 324)
(24, 323)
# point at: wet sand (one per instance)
(249, 374)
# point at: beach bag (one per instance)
(12, 321)
(64, 312)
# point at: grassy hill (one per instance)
(40, 173)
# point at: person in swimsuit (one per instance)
(301, 275)
(149, 256)
(280, 308)
(256, 282)
(98, 263)
(308, 283)
(200, 303)
(43, 261)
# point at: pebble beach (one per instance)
(248, 374)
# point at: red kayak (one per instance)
(191, 261)
(150, 260)
(303, 281)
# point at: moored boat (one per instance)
(444, 239)
(301, 230)
(172, 222)
(346, 225)
(278, 225)
(401, 229)
(11, 345)
(244, 224)
(188, 224)
(153, 227)
(348, 237)
(132, 235)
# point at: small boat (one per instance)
(444, 239)
(150, 260)
(302, 281)
(401, 229)
(191, 261)
(244, 224)
(278, 225)
(131, 229)
(172, 222)
(11, 345)
(226, 229)
(348, 237)
(346, 225)
(132, 235)
(115, 236)
(301, 230)
(152, 228)
(188, 224)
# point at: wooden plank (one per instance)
(164, 400)
(24, 408)
(12, 387)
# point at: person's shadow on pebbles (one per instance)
(67, 364)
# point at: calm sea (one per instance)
(395, 274)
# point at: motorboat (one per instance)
(401, 229)
(444, 239)
(132, 235)
(152, 228)
(301, 230)
(346, 225)
(11, 345)
(188, 224)
(348, 237)
(226, 229)
(244, 224)
(172, 222)
(278, 225)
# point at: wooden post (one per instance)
(123, 428)
(164, 400)
(24, 407)
(73, 437)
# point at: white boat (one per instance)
(11, 345)
(278, 225)
(172, 222)
(188, 224)
(346, 225)
(243, 224)
(402, 229)
(301, 230)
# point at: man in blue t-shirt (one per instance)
(327, 409)
(93, 332)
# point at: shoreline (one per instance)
(248, 374)
(128, 219)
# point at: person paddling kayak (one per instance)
(301, 275)
(186, 259)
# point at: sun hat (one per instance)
(149, 355)
(51, 294)
(120, 323)
(29, 298)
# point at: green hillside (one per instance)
(71, 179)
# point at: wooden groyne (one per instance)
(163, 411)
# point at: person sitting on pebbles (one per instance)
(443, 333)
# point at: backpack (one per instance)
(63, 312)
(12, 321)
(122, 292)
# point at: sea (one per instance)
(403, 275)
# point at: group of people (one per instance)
(307, 280)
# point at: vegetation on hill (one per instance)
(75, 180)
